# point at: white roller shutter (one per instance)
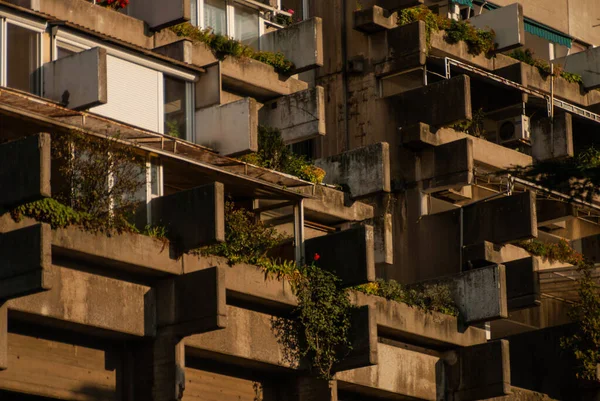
(134, 94)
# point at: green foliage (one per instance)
(560, 251)
(429, 298)
(155, 231)
(478, 40)
(474, 126)
(284, 20)
(577, 176)
(50, 211)
(223, 46)
(527, 56)
(318, 329)
(274, 154)
(247, 239)
(173, 129)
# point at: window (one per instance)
(215, 16)
(22, 58)
(247, 25)
(177, 108)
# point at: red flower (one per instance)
(290, 11)
(316, 257)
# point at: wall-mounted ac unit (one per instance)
(513, 130)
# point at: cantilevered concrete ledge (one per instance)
(374, 19)
(586, 64)
(25, 170)
(333, 206)
(400, 49)
(446, 166)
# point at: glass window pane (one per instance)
(21, 58)
(246, 25)
(215, 16)
(175, 107)
(154, 178)
(295, 6)
(194, 12)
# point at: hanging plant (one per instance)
(114, 4)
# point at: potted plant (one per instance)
(114, 4)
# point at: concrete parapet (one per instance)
(302, 43)
(552, 139)
(192, 303)
(550, 212)
(333, 206)
(400, 371)
(505, 219)
(399, 49)
(589, 247)
(25, 261)
(487, 253)
(209, 86)
(479, 372)
(192, 218)
(159, 14)
(446, 166)
(300, 116)
(349, 253)
(90, 303)
(507, 22)
(402, 322)
(447, 101)
(362, 171)
(586, 64)
(231, 129)
(383, 235)
(25, 170)
(363, 332)
(78, 81)
(523, 284)
(375, 19)
(180, 50)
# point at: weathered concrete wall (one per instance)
(79, 81)
(363, 171)
(383, 238)
(447, 101)
(332, 205)
(552, 142)
(209, 87)
(192, 218)
(585, 64)
(375, 19)
(523, 284)
(25, 260)
(158, 14)
(302, 43)
(21, 185)
(399, 49)
(445, 166)
(179, 50)
(479, 372)
(300, 116)
(231, 129)
(349, 253)
(508, 24)
(363, 332)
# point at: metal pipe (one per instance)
(299, 232)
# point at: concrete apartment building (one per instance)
(407, 196)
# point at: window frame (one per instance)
(230, 16)
(38, 29)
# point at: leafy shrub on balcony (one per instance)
(479, 41)
(527, 56)
(274, 154)
(113, 4)
(223, 46)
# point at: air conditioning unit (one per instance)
(514, 130)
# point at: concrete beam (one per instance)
(522, 283)
(329, 205)
(504, 219)
(362, 171)
(349, 253)
(302, 43)
(399, 49)
(446, 166)
(375, 19)
(78, 81)
(508, 24)
(551, 212)
(91, 303)
(552, 139)
(479, 372)
(25, 170)
(192, 218)
(399, 371)
(401, 322)
(158, 14)
(449, 101)
(209, 88)
(383, 235)
(299, 116)
(230, 129)
(586, 64)
(363, 332)
(180, 50)
(25, 260)
(192, 303)
(487, 253)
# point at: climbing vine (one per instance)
(223, 46)
(274, 154)
(478, 40)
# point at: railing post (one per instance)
(299, 231)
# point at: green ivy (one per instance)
(223, 46)
(50, 211)
(478, 40)
(274, 154)
(429, 298)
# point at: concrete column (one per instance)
(299, 245)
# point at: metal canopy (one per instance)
(256, 181)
